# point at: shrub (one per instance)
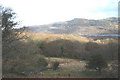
(42, 62)
(97, 62)
(90, 46)
(42, 45)
(55, 65)
(111, 71)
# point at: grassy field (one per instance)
(63, 73)
(67, 64)
(67, 68)
(72, 68)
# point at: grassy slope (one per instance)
(66, 64)
(73, 45)
(53, 37)
(66, 69)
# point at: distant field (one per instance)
(68, 68)
(67, 64)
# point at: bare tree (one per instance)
(9, 33)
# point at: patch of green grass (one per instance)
(86, 73)
(51, 72)
(82, 73)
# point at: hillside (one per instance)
(64, 45)
(79, 26)
(59, 49)
(30, 55)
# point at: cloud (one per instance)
(36, 12)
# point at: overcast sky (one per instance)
(38, 12)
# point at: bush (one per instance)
(90, 46)
(111, 71)
(55, 65)
(43, 62)
(97, 62)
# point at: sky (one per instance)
(40, 12)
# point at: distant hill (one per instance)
(79, 26)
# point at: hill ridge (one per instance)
(79, 26)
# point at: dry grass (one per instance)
(67, 64)
(52, 37)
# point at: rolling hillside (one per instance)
(64, 45)
(79, 26)
(30, 55)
